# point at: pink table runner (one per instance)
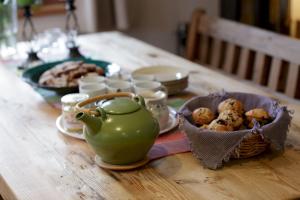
(169, 144)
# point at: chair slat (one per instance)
(203, 48)
(291, 85)
(192, 35)
(216, 53)
(274, 75)
(297, 32)
(243, 61)
(258, 67)
(229, 57)
(256, 39)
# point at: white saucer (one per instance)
(74, 134)
(173, 121)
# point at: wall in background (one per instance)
(156, 21)
(86, 11)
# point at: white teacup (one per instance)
(93, 89)
(118, 86)
(154, 86)
(91, 79)
(156, 102)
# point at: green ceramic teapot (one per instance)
(120, 130)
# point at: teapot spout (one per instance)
(93, 124)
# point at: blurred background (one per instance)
(162, 23)
(154, 21)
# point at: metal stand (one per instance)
(28, 32)
(71, 30)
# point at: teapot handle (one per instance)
(94, 111)
(102, 113)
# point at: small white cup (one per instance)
(91, 79)
(156, 102)
(118, 86)
(154, 86)
(93, 89)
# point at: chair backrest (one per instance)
(251, 53)
(297, 29)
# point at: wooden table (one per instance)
(37, 162)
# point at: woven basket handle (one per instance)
(93, 111)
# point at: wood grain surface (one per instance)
(37, 162)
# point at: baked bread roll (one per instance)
(232, 118)
(202, 116)
(231, 104)
(220, 125)
(259, 114)
(204, 126)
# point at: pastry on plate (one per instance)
(220, 125)
(202, 116)
(67, 74)
(232, 117)
(259, 114)
(231, 104)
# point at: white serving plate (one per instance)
(172, 123)
(60, 127)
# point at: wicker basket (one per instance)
(254, 145)
(213, 148)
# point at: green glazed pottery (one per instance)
(121, 130)
(32, 75)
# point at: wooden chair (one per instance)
(251, 53)
(297, 29)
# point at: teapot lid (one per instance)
(120, 106)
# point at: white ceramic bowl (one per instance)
(173, 78)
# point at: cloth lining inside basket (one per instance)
(214, 148)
